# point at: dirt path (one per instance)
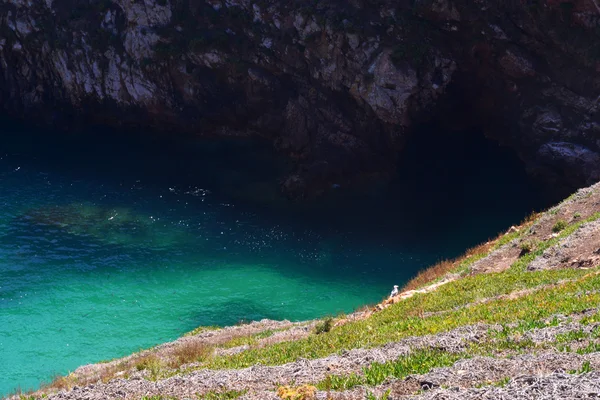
(578, 250)
(580, 206)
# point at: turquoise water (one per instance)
(113, 242)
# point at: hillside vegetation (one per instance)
(516, 317)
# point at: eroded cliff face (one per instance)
(336, 85)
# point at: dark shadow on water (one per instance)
(453, 190)
(155, 160)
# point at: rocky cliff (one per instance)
(336, 85)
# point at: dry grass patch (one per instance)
(430, 274)
(304, 392)
(107, 374)
(461, 263)
(189, 352)
(60, 383)
(103, 374)
(442, 268)
(151, 363)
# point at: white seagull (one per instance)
(394, 291)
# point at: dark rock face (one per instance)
(336, 85)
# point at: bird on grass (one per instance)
(394, 291)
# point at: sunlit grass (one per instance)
(407, 318)
(418, 362)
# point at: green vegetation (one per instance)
(504, 342)
(425, 360)
(590, 348)
(227, 395)
(585, 368)
(248, 340)
(465, 267)
(571, 336)
(507, 238)
(418, 362)
(526, 247)
(559, 226)
(440, 311)
(500, 383)
(385, 396)
(266, 334)
(152, 364)
(324, 326)
(240, 341)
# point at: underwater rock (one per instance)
(119, 226)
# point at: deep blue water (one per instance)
(115, 241)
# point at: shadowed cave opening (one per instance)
(453, 188)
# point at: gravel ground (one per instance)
(93, 372)
(545, 374)
(261, 381)
(578, 250)
(550, 387)
(260, 378)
